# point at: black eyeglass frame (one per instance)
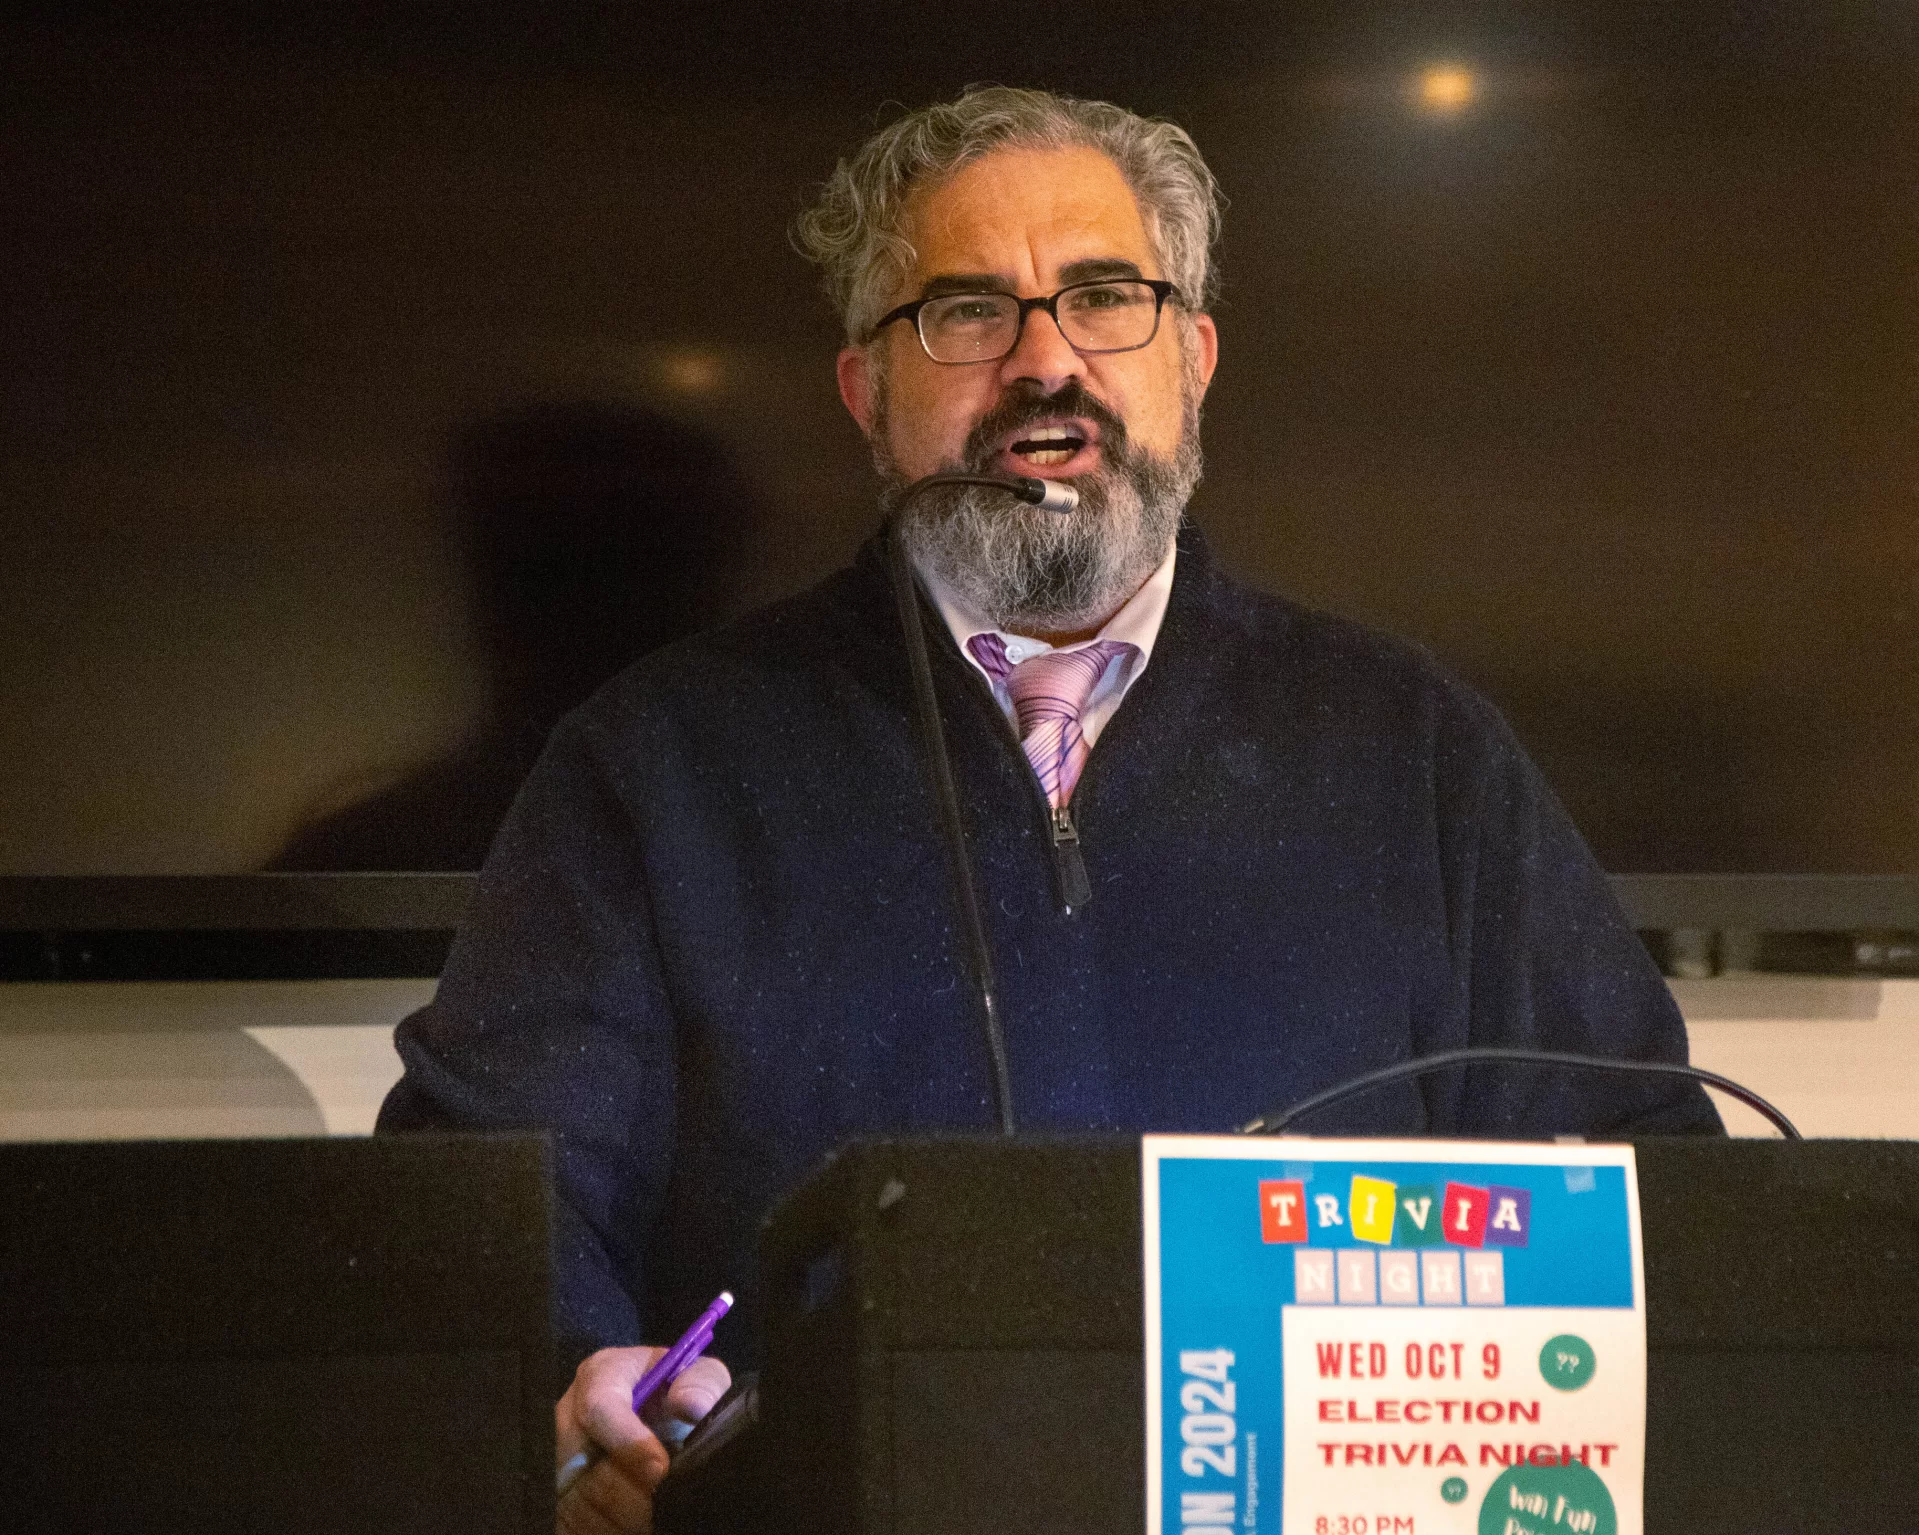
(1162, 291)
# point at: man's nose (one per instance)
(1043, 355)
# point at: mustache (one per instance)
(1025, 405)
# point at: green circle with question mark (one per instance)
(1567, 1362)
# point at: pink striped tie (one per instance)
(1049, 694)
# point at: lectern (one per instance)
(955, 1344)
(344, 1336)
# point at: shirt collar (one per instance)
(1137, 622)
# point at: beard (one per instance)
(1038, 572)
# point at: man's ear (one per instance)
(1206, 337)
(856, 385)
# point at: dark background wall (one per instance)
(1602, 385)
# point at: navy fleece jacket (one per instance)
(717, 934)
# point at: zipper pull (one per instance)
(1075, 890)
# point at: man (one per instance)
(1234, 853)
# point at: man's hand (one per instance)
(614, 1495)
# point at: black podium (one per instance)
(310, 1337)
(955, 1344)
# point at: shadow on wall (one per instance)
(591, 533)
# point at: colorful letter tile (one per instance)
(1465, 1215)
(1419, 1216)
(1371, 1206)
(1510, 1219)
(1282, 1210)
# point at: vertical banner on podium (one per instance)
(1358, 1337)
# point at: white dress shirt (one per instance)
(1137, 623)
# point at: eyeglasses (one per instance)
(1111, 315)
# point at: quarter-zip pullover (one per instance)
(716, 935)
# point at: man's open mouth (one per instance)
(1045, 447)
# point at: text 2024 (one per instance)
(1208, 1400)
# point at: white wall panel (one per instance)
(118, 1060)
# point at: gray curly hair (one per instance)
(853, 231)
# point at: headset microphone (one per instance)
(1052, 497)
(1047, 495)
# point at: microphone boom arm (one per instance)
(1053, 497)
(1047, 495)
(1275, 1120)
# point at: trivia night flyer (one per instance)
(1375, 1337)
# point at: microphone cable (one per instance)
(1052, 496)
(1275, 1120)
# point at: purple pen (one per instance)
(672, 1364)
(668, 1368)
